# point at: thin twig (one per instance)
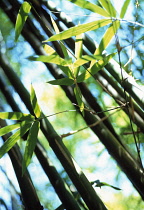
(89, 126)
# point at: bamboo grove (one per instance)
(71, 58)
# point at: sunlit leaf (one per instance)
(16, 116)
(49, 50)
(78, 51)
(106, 39)
(76, 30)
(21, 18)
(95, 68)
(109, 7)
(54, 25)
(30, 145)
(79, 98)
(34, 102)
(11, 141)
(124, 8)
(64, 49)
(92, 7)
(86, 58)
(63, 81)
(9, 128)
(51, 59)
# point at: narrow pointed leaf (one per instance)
(67, 71)
(11, 141)
(78, 51)
(63, 81)
(124, 8)
(54, 25)
(51, 59)
(86, 58)
(9, 128)
(21, 18)
(64, 49)
(30, 145)
(49, 50)
(79, 98)
(34, 103)
(92, 7)
(76, 30)
(16, 116)
(108, 185)
(109, 34)
(109, 7)
(95, 68)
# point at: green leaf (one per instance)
(124, 8)
(79, 98)
(109, 7)
(95, 68)
(16, 116)
(106, 39)
(63, 81)
(64, 49)
(67, 71)
(21, 18)
(49, 50)
(36, 108)
(51, 59)
(9, 128)
(30, 145)
(86, 58)
(92, 7)
(76, 30)
(54, 25)
(109, 34)
(100, 184)
(11, 141)
(78, 52)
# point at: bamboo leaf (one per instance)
(54, 25)
(16, 116)
(109, 7)
(76, 30)
(124, 8)
(78, 51)
(51, 59)
(9, 128)
(63, 81)
(92, 7)
(109, 34)
(30, 145)
(100, 184)
(78, 46)
(64, 49)
(49, 50)
(11, 141)
(95, 68)
(34, 102)
(79, 98)
(67, 71)
(21, 18)
(86, 58)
